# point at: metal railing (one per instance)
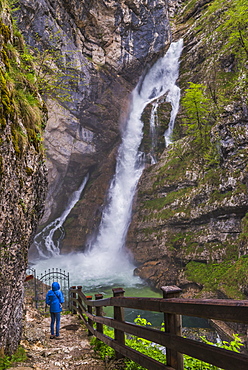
(42, 283)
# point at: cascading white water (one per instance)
(153, 131)
(106, 262)
(44, 242)
(173, 97)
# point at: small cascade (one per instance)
(173, 98)
(44, 241)
(106, 261)
(153, 131)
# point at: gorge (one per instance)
(189, 211)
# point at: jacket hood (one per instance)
(55, 286)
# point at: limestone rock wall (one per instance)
(189, 213)
(22, 183)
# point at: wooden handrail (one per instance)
(226, 310)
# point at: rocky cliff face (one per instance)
(107, 45)
(190, 226)
(22, 176)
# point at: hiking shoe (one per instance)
(52, 336)
(57, 337)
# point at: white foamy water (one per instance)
(106, 261)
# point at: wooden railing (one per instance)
(173, 308)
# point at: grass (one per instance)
(8, 361)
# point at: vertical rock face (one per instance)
(106, 46)
(22, 181)
(190, 218)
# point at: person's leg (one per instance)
(52, 322)
(57, 323)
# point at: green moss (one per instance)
(243, 237)
(5, 59)
(17, 140)
(29, 171)
(5, 32)
(18, 94)
(228, 276)
(6, 106)
(160, 203)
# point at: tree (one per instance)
(197, 110)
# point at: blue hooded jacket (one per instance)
(54, 298)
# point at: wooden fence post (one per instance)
(99, 311)
(173, 325)
(79, 299)
(89, 309)
(119, 315)
(73, 302)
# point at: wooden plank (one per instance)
(172, 325)
(218, 309)
(119, 316)
(225, 310)
(219, 357)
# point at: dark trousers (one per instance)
(55, 317)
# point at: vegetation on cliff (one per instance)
(20, 97)
(223, 29)
(22, 173)
(192, 205)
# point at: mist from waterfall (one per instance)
(106, 260)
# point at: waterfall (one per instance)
(43, 241)
(106, 261)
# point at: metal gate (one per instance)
(43, 284)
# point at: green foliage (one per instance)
(226, 276)
(234, 26)
(154, 351)
(193, 363)
(197, 109)
(55, 75)
(7, 361)
(101, 348)
(21, 103)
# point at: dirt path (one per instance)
(72, 352)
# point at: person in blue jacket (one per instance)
(54, 299)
